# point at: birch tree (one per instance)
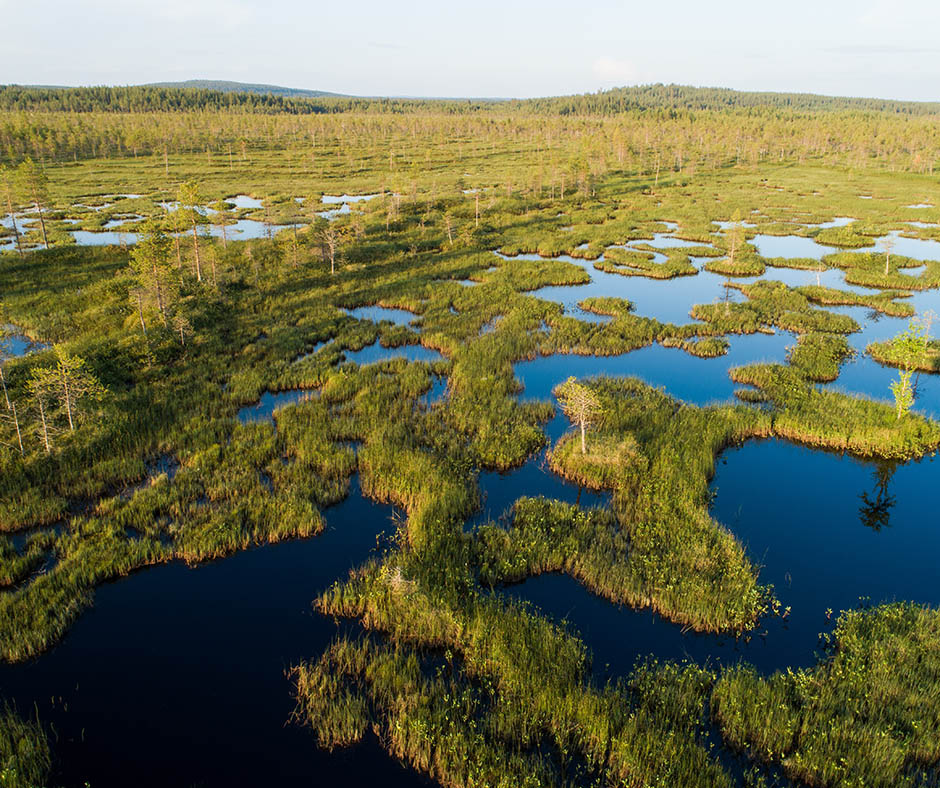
(909, 347)
(11, 413)
(77, 386)
(579, 404)
(887, 244)
(734, 236)
(4, 354)
(330, 235)
(42, 395)
(62, 392)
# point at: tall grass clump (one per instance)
(866, 715)
(25, 756)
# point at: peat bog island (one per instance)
(576, 441)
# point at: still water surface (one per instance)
(176, 676)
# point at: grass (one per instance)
(25, 756)
(884, 302)
(819, 357)
(885, 353)
(462, 683)
(867, 715)
(867, 269)
(833, 420)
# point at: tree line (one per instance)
(160, 98)
(633, 140)
(151, 98)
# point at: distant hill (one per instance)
(272, 99)
(691, 99)
(223, 86)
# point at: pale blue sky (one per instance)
(883, 48)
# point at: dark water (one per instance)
(375, 352)
(803, 519)
(699, 381)
(263, 409)
(176, 677)
(499, 490)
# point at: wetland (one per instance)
(314, 506)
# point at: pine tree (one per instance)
(34, 187)
(8, 196)
(190, 201)
(155, 284)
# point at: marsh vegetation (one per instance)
(307, 323)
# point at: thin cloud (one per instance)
(881, 49)
(909, 17)
(612, 70)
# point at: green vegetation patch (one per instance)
(867, 715)
(25, 756)
(889, 354)
(833, 420)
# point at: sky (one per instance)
(483, 48)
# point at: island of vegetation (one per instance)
(175, 258)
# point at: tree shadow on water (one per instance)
(875, 511)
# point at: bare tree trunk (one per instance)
(224, 239)
(196, 250)
(160, 305)
(583, 446)
(68, 402)
(16, 232)
(3, 383)
(42, 225)
(16, 423)
(45, 431)
(140, 312)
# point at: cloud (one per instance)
(212, 13)
(911, 17)
(612, 71)
(879, 49)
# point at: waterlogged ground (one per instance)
(191, 664)
(121, 229)
(826, 529)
